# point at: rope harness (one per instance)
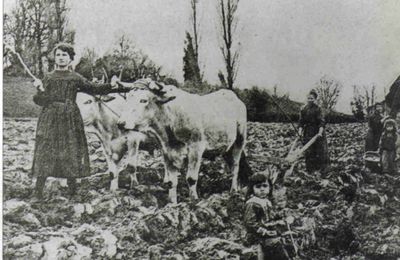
(98, 99)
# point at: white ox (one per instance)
(100, 115)
(187, 125)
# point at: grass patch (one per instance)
(17, 97)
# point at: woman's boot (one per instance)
(71, 186)
(40, 183)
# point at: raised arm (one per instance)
(100, 89)
(41, 97)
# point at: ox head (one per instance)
(145, 103)
(90, 107)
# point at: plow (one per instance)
(296, 152)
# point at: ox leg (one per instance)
(113, 171)
(172, 184)
(166, 182)
(111, 163)
(172, 193)
(233, 156)
(171, 179)
(192, 176)
(133, 154)
(232, 160)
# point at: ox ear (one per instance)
(106, 98)
(163, 100)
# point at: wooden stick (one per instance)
(295, 157)
(291, 238)
(307, 145)
(293, 145)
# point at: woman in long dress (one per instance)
(61, 147)
(375, 127)
(312, 123)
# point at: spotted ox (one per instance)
(187, 125)
(100, 116)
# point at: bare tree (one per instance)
(227, 10)
(60, 11)
(58, 27)
(275, 91)
(370, 95)
(195, 24)
(86, 64)
(364, 97)
(125, 47)
(16, 26)
(358, 104)
(35, 26)
(39, 15)
(126, 60)
(17, 30)
(328, 93)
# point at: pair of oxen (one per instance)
(185, 126)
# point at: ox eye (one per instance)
(88, 102)
(143, 101)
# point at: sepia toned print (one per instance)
(201, 129)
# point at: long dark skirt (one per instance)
(316, 156)
(372, 140)
(388, 162)
(61, 146)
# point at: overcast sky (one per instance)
(291, 43)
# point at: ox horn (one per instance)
(105, 74)
(157, 88)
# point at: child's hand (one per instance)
(266, 233)
(271, 233)
(289, 220)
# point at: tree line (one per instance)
(34, 27)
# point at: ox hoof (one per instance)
(114, 185)
(166, 185)
(191, 181)
(134, 183)
(194, 198)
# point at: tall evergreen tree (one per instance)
(191, 70)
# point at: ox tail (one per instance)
(245, 171)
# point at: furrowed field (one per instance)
(350, 214)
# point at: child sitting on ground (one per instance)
(261, 222)
(387, 147)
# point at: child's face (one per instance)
(261, 190)
(379, 109)
(311, 99)
(389, 128)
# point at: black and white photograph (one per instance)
(201, 129)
